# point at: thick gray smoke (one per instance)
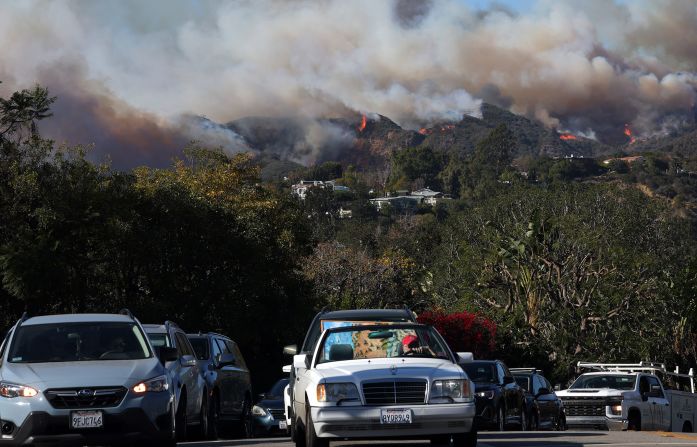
(589, 66)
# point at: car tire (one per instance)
(634, 422)
(296, 434)
(560, 424)
(524, 425)
(440, 440)
(202, 429)
(213, 418)
(311, 438)
(181, 421)
(244, 426)
(465, 439)
(501, 419)
(534, 422)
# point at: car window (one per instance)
(223, 347)
(644, 385)
(611, 381)
(69, 342)
(236, 352)
(653, 381)
(480, 372)
(200, 345)
(537, 384)
(501, 373)
(159, 340)
(215, 350)
(183, 345)
(4, 346)
(276, 391)
(523, 382)
(547, 384)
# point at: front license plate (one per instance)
(395, 416)
(282, 425)
(86, 419)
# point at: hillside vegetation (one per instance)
(568, 257)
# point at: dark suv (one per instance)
(191, 393)
(227, 376)
(545, 409)
(500, 400)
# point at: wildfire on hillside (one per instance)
(567, 137)
(442, 129)
(364, 122)
(628, 132)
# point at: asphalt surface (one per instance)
(507, 439)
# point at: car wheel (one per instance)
(244, 427)
(524, 420)
(181, 419)
(440, 440)
(634, 422)
(561, 423)
(203, 418)
(501, 420)
(296, 434)
(311, 438)
(534, 422)
(213, 418)
(465, 439)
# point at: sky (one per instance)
(134, 78)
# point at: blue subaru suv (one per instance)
(83, 379)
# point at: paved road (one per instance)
(508, 439)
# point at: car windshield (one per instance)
(276, 391)
(481, 372)
(200, 345)
(382, 341)
(69, 342)
(615, 382)
(523, 382)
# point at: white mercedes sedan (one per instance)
(382, 381)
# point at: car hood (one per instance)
(397, 368)
(590, 392)
(81, 374)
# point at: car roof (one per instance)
(366, 313)
(77, 318)
(612, 373)
(208, 334)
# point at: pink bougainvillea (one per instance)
(464, 331)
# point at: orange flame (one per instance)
(425, 131)
(567, 137)
(364, 122)
(628, 132)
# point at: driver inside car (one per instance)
(412, 346)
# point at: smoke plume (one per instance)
(130, 75)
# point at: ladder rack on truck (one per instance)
(680, 381)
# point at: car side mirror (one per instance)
(188, 360)
(226, 360)
(290, 350)
(543, 391)
(557, 387)
(508, 379)
(301, 361)
(261, 396)
(655, 391)
(167, 354)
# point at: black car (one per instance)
(500, 400)
(545, 409)
(268, 415)
(227, 376)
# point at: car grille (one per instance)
(584, 406)
(277, 413)
(99, 397)
(395, 392)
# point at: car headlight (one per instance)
(615, 406)
(258, 411)
(10, 390)
(337, 392)
(486, 394)
(155, 385)
(452, 390)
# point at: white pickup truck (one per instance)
(631, 397)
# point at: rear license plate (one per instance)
(395, 416)
(282, 425)
(86, 419)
